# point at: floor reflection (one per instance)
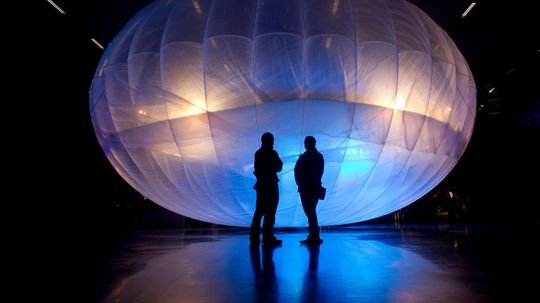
(310, 286)
(264, 277)
(347, 267)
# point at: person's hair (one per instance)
(310, 141)
(267, 139)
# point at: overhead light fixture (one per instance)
(197, 7)
(335, 7)
(468, 10)
(57, 7)
(328, 42)
(509, 72)
(97, 43)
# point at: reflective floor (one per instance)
(352, 265)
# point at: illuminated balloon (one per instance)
(183, 94)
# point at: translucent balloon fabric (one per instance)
(183, 94)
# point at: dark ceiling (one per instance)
(497, 38)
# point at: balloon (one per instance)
(184, 92)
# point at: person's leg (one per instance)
(255, 230)
(270, 213)
(313, 221)
(309, 204)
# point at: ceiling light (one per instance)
(97, 43)
(57, 7)
(335, 7)
(197, 7)
(468, 10)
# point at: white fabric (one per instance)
(184, 92)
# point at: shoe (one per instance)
(311, 241)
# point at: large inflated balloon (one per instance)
(183, 94)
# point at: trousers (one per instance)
(266, 206)
(309, 203)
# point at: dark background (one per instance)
(68, 210)
(61, 181)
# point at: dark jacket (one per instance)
(308, 170)
(267, 165)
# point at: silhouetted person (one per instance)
(267, 165)
(308, 172)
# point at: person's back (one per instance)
(267, 165)
(309, 170)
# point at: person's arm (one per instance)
(278, 163)
(256, 165)
(320, 170)
(298, 171)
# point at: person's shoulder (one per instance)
(319, 156)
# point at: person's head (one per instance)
(267, 140)
(309, 142)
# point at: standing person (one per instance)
(308, 172)
(267, 165)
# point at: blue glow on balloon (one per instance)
(184, 92)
